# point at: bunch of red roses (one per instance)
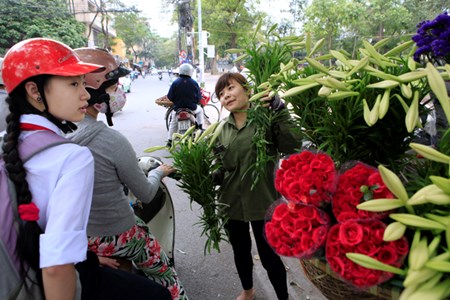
(357, 184)
(307, 177)
(365, 237)
(297, 229)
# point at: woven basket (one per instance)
(332, 287)
(164, 101)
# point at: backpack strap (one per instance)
(38, 142)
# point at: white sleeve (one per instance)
(65, 239)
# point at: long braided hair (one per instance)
(29, 231)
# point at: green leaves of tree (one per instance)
(44, 18)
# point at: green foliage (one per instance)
(31, 18)
(328, 102)
(346, 23)
(164, 52)
(417, 173)
(230, 22)
(195, 161)
(135, 33)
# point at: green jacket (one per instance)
(238, 153)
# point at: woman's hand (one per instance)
(167, 169)
(266, 100)
(108, 262)
(273, 103)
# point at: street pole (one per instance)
(200, 42)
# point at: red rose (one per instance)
(287, 224)
(306, 242)
(332, 250)
(401, 246)
(333, 234)
(319, 235)
(280, 212)
(368, 248)
(337, 265)
(307, 212)
(350, 233)
(348, 215)
(387, 255)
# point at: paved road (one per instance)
(205, 277)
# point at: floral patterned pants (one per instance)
(139, 245)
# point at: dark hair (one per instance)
(225, 80)
(27, 247)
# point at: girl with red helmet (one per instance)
(46, 93)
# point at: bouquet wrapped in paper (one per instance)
(357, 183)
(307, 177)
(296, 229)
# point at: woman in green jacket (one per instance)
(248, 205)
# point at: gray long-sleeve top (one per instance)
(116, 165)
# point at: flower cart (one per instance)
(375, 224)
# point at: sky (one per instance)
(159, 16)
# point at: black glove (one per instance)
(217, 177)
(276, 104)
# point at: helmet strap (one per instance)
(65, 126)
(109, 114)
(101, 96)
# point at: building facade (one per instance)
(87, 12)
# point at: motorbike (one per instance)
(160, 75)
(185, 119)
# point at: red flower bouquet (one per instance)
(297, 229)
(365, 237)
(355, 185)
(307, 178)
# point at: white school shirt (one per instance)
(61, 180)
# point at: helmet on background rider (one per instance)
(186, 69)
(96, 84)
(42, 56)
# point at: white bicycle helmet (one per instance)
(186, 69)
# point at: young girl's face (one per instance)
(234, 97)
(67, 97)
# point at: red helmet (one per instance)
(113, 69)
(40, 56)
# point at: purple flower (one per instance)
(433, 39)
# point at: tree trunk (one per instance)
(214, 69)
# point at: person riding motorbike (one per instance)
(184, 93)
(113, 228)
